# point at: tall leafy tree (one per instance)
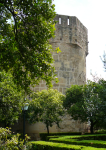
(11, 99)
(46, 106)
(25, 29)
(86, 103)
(93, 103)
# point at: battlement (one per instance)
(69, 21)
(70, 30)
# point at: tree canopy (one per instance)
(87, 103)
(25, 29)
(46, 106)
(11, 99)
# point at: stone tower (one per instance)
(70, 64)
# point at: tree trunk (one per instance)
(91, 127)
(47, 128)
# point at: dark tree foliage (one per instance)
(25, 29)
(11, 100)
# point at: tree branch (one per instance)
(11, 10)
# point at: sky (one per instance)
(92, 14)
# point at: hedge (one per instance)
(43, 136)
(78, 140)
(43, 145)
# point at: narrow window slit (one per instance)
(68, 21)
(59, 20)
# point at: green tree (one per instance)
(102, 122)
(86, 103)
(46, 106)
(74, 94)
(93, 103)
(25, 29)
(11, 99)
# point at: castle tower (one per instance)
(70, 64)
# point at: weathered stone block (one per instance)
(55, 57)
(62, 80)
(57, 64)
(66, 74)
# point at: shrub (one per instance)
(102, 131)
(11, 142)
